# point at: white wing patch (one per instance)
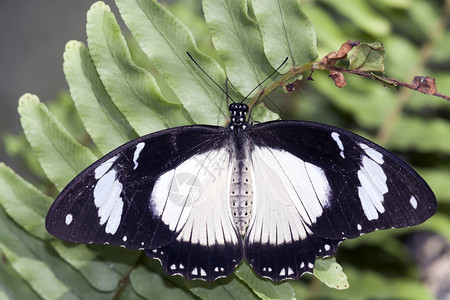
(136, 154)
(290, 195)
(335, 137)
(289, 271)
(413, 202)
(107, 197)
(373, 183)
(187, 197)
(69, 219)
(104, 167)
(372, 153)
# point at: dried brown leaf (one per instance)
(338, 78)
(424, 84)
(334, 56)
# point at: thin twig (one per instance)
(392, 81)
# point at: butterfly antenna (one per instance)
(285, 60)
(225, 92)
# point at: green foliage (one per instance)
(25, 204)
(368, 57)
(104, 122)
(264, 288)
(330, 273)
(125, 88)
(60, 155)
(132, 89)
(235, 36)
(165, 40)
(286, 32)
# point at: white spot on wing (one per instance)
(138, 150)
(310, 265)
(114, 219)
(338, 141)
(102, 188)
(359, 226)
(104, 167)
(124, 238)
(372, 153)
(283, 272)
(413, 202)
(373, 183)
(368, 208)
(108, 200)
(69, 219)
(327, 247)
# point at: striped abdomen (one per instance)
(241, 195)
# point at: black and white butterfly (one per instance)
(279, 194)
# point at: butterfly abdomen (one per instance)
(241, 195)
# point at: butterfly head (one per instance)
(238, 115)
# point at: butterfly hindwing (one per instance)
(356, 186)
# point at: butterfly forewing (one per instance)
(360, 186)
(112, 201)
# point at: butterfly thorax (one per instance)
(241, 189)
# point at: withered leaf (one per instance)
(338, 78)
(368, 57)
(424, 84)
(332, 57)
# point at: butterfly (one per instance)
(202, 198)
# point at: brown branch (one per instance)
(422, 84)
(386, 80)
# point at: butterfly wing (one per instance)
(157, 192)
(279, 243)
(317, 185)
(208, 245)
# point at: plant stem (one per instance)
(279, 83)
